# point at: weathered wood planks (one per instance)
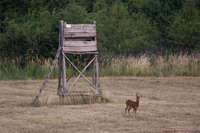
(81, 34)
(77, 49)
(80, 26)
(80, 44)
(79, 38)
(80, 30)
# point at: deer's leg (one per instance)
(129, 111)
(126, 109)
(135, 110)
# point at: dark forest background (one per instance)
(29, 28)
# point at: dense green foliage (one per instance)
(29, 28)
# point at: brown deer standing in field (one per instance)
(131, 104)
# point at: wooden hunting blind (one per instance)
(75, 39)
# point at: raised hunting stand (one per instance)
(75, 39)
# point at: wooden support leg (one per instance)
(94, 73)
(97, 76)
(50, 71)
(63, 74)
(59, 74)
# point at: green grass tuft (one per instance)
(72, 100)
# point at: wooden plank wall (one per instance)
(79, 38)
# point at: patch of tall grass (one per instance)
(14, 70)
(170, 65)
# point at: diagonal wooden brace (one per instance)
(75, 71)
(50, 71)
(81, 73)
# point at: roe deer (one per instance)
(131, 104)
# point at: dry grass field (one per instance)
(170, 104)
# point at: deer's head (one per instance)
(137, 97)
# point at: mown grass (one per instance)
(170, 65)
(167, 104)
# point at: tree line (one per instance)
(29, 28)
